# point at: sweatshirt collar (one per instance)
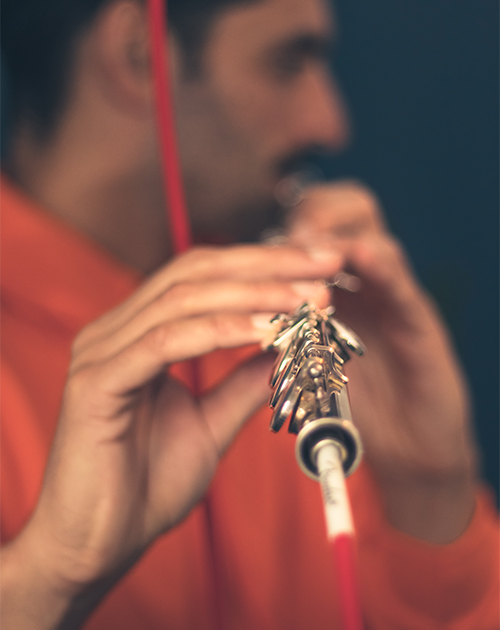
(51, 267)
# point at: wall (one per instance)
(421, 80)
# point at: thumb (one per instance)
(229, 405)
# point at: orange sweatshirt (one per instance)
(268, 547)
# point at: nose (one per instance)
(321, 115)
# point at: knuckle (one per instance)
(363, 197)
(177, 297)
(89, 394)
(348, 208)
(80, 382)
(200, 261)
(221, 327)
(81, 340)
(396, 250)
(197, 254)
(158, 340)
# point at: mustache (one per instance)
(307, 160)
(297, 172)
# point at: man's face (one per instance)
(264, 96)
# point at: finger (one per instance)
(335, 211)
(409, 352)
(244, 263)
(390, 303)
(116, 380)
(223, 412)
(189, 300)
(228, 406)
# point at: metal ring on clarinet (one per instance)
(315, 433)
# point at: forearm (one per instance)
(433, 510)
(33, 598)
(410, 582)
(30, 600)
(432, 498)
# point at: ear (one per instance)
(120, 51)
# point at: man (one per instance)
(134, 450)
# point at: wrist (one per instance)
(37, 596)
(29, 599)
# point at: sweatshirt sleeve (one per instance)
(408, 584)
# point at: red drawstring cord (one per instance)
(342, 545)
(181, 231)
(340, 533)
(172, 177)
(344, 559)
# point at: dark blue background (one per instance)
(421, 81)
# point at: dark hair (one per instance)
(38, 43)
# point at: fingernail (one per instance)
(262, 321)
(323, 254)
(265, 330)
(346, 281)
(309, 289)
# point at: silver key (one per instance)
(309, 382)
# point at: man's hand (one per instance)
(134, 449)
(409, 399)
